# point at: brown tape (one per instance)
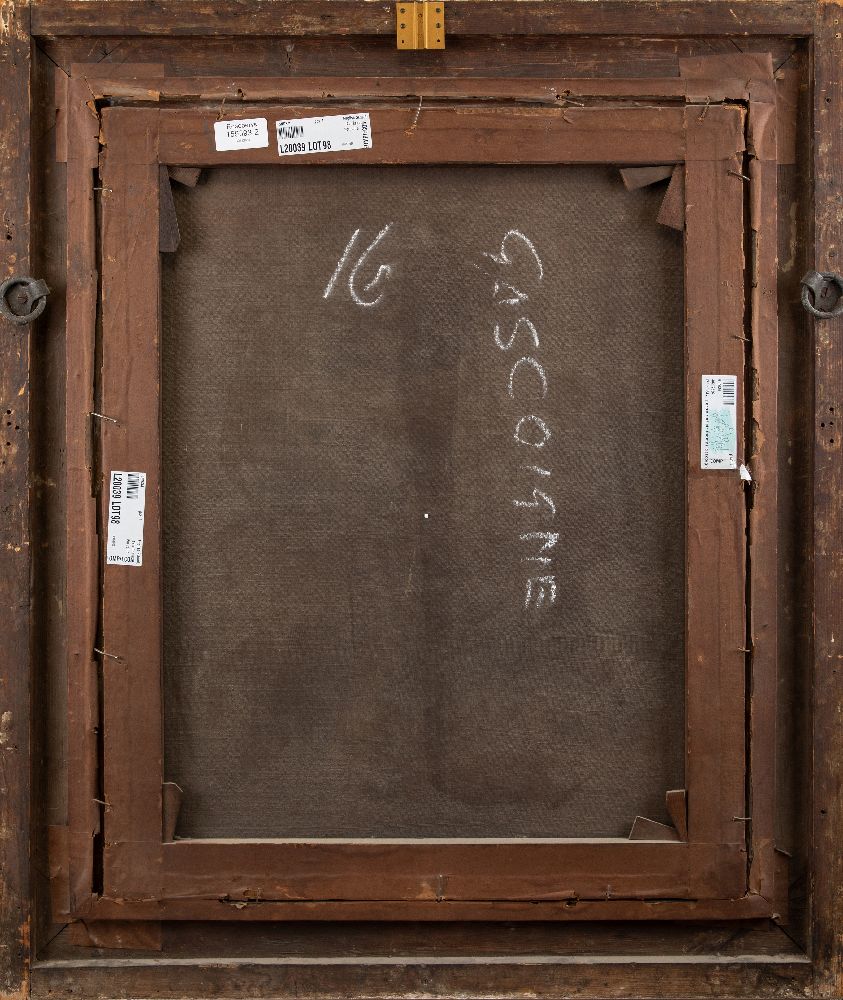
(61, 88)
(188, 176)
(649, 829)
(134, 935)
(168, 223)
(58, 850)
(638, 177)
(761, 131)
(672, 211)
(730, 76)
(677, 808)
(788, 80)
(171, 796)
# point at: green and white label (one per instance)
(719, 443)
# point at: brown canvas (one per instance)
(355, 504)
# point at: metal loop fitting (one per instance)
(827, 289)
(27, 295)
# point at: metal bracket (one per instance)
(827, 290)
(420, 24)
(23, 299)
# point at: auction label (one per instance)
(242, 133)
(126, 503)
(331, 134)
(719, 444)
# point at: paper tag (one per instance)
(719, 422)
(331, 134)
(126, 503)
(242, 133)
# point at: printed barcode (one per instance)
(290, 131)
(729, 393)
(133, 486)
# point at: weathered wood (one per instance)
(81, 530)
(131, 595)
(756, 979)
(761, 453)
(715, 540)
(745, 908)
(375, 17)
(15, 184)
(544, 57)
(827, 805)
(543, 976)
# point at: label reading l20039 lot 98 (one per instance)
(126, 503)
(329, 134)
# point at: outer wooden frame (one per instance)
(761, 972)
(190, 879)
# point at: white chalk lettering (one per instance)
(530, 363)
(508, 295)
(536, 422)
(530, 430)
(539, 498)
(382, 273)
(548, 540)
(502, 257)
(539, 590)
(519, 323)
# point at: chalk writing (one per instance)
(383, 272)
(517, 270)
(530, 363)
(513, 236)
(532, 420)
(527, 379)
(522, 321)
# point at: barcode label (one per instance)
(241, 133)
(329, 134)
(126, 503)
(719, 438)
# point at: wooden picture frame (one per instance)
(194, 878)
(776, 966)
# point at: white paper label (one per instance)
(331, 134)
(719, 422)
(242, 133)
(126, 503)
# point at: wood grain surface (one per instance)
(15, 259)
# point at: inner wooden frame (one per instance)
(144, 876)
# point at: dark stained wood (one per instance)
(632, 56)
(135, 82)
(131, 595)
(375, 17)
(827, 805)
(761, 453)
(713, 865)
(238, 910)
(312, 940)
(521, 135)
(438, 870)
(547, 57)
(15, 259)
(543, 976)
(715, 641)
(48, 517)
(81, 596)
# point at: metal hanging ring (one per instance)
(826, 287)
(28, 295)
